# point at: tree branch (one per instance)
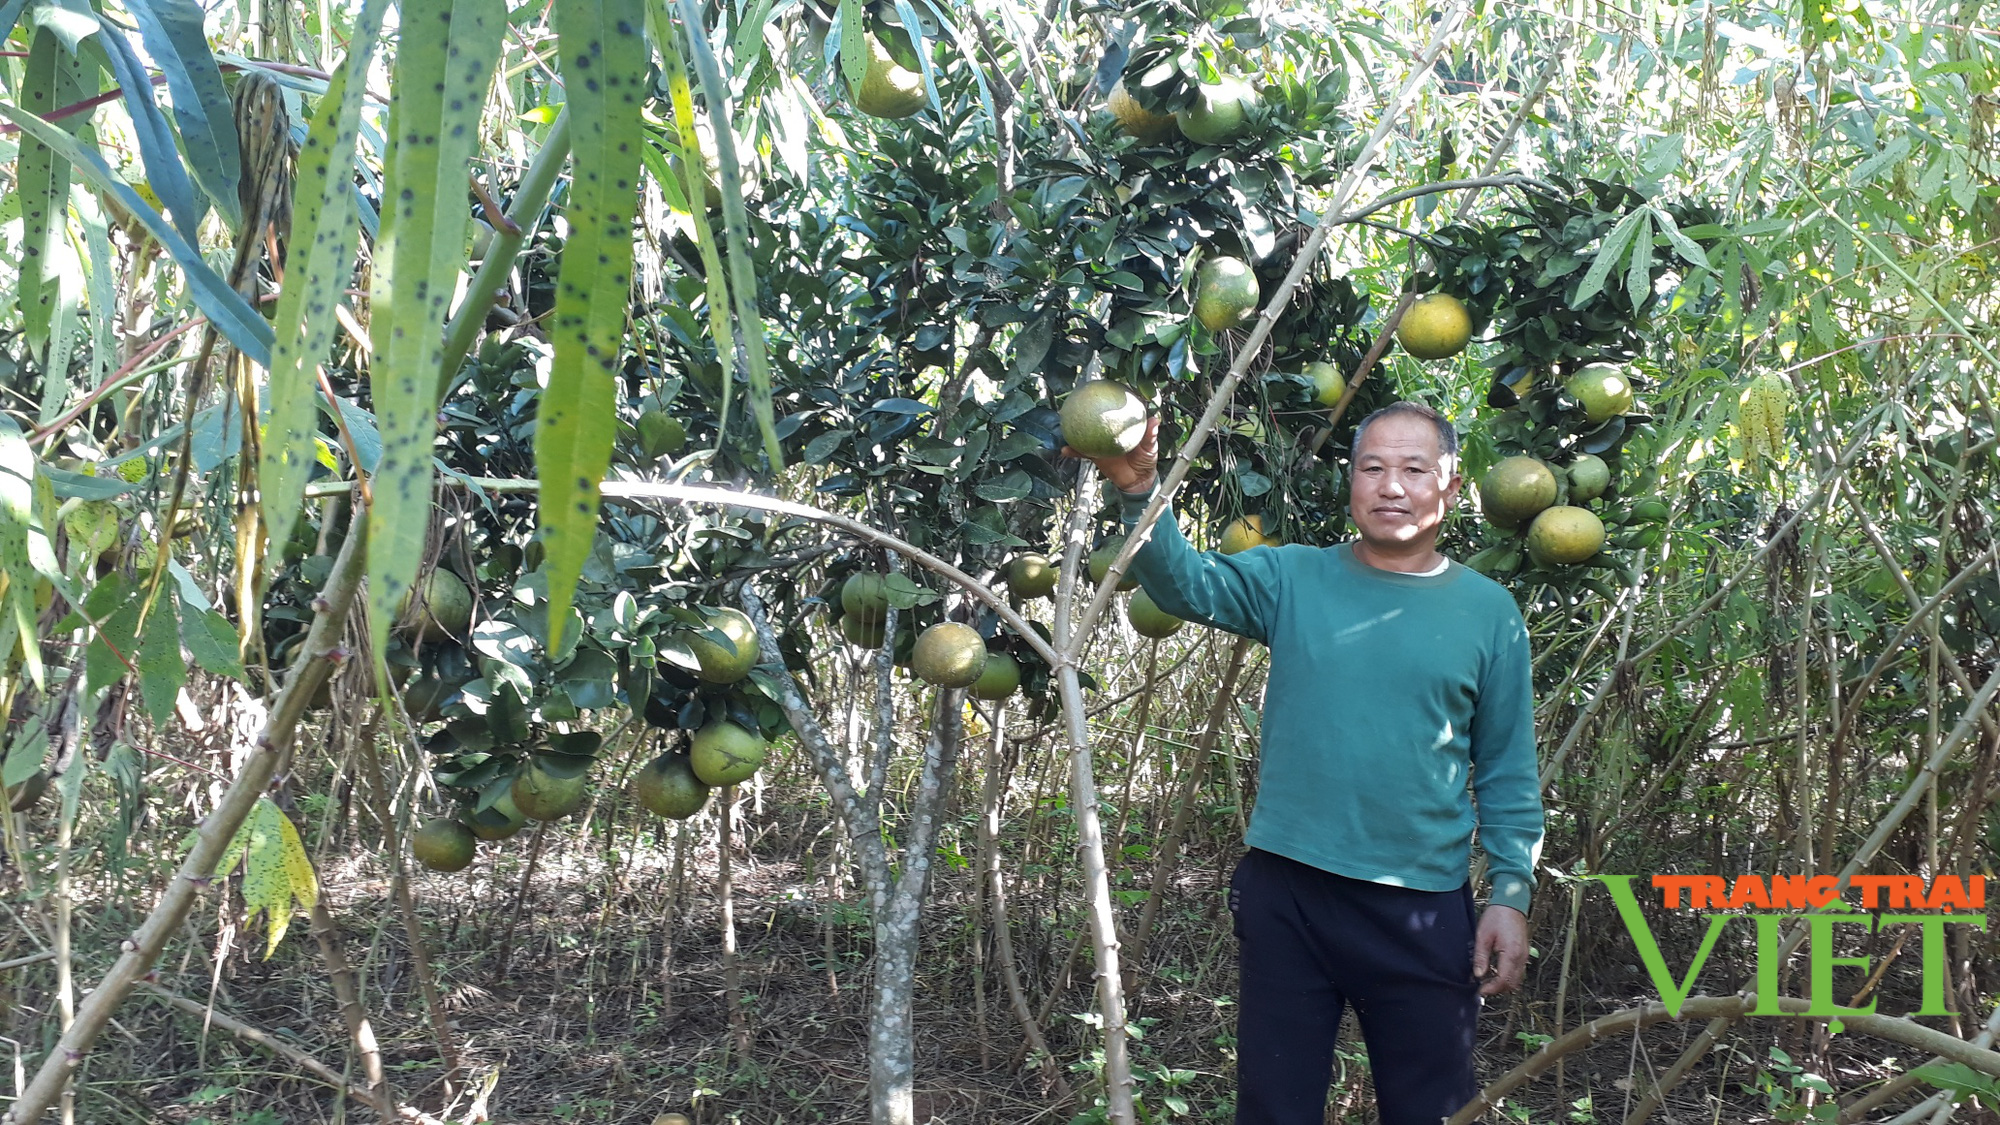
(1632, 1020)
(862, 827)
(286, 1051)
(731, 498)
(1511, 179)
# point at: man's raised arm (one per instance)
(1235, 593)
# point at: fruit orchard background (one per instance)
(1777, 223)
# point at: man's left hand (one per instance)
(1500, 951)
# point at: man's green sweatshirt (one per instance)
(1386, 691)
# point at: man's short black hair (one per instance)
(1447, 437)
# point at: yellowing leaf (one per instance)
(276, 869)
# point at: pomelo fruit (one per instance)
(668, 787)
(544, 796)
(866, 634)
(1245, 533)
(1604, 389)
(1328, 383)
(889, 89)
(444, 845)
(482, 239)
(1103, 418)
(1137, 120)
(725, 753)
(1589, 476)
(722, 664)
(1225, 294)
(498, 820)
(1100, 563)
(949, 655)
(865, 595)
(1219, 114)
(1031, 576)
(1250, 426)
(1565, 535)
(1148, 619)
(998, 679)
(426, 695)
(1436, 327)
(1514, 490)
(447, 610)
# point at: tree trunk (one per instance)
(896, 897)
(891, 1031)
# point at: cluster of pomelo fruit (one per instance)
(554, 782)
(948, 654)
(721, 751)
(1549, 501)
(1218, 115)
(1034, 576)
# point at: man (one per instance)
(1395, 674)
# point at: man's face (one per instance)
(1402, 484)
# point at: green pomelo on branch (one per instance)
(1328, 383)
(1565, 536)
(1514, 490)
(668, 787)
(497, 821)
(711, 166)
(542, 795)
(426, 695)
(1148, 619)
(1000, 677)
(482, 239)
(1137, 120)
(1101, 559)
(1437, 326)
(865, 595)
(447, 607)
(1220, 112)
(444, 845)
(724, 753)
(949, 655)
(1589, 476)
(1225, 294)
(1103, 418)
(1031, 576)
(888, 89)
(1604, 389)
(864, 633)
(720, 663)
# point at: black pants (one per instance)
(1313, 942)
